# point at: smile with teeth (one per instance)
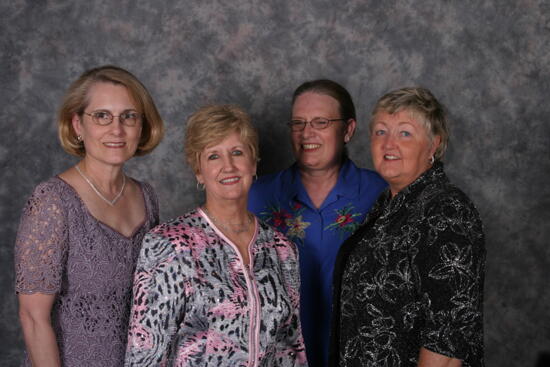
(115, 145)
(390, 157)
(311, 146)
(229, 180)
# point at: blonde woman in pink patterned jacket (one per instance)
(216, 286)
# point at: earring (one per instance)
(200, 186)
(79, 138)
(432, 159)
(255, 177)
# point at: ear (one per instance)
(75, 121)
(349, 130)
(198, 176)
(435, 144)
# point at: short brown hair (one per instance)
(77, 99)
(211, 124)
(423, 105)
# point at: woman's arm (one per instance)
(451, 269)
(159, 296)
(427, 358)
(34, 313)
(40, 254)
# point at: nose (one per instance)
(308, 130)
(228, 164)
(116, 126)
(389, 141)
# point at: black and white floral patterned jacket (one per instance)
(411, 277)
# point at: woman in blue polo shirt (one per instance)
(319, 200)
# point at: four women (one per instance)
(217, 286)
(81, 231)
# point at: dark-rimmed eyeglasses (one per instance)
(103, 118)
(318, 123)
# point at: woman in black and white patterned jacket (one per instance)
(408, 285)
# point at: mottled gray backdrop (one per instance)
(488, 61)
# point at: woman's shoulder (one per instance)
(270, 234)
(53, 185)
(446, 198)
(53, 191)
(180, 227)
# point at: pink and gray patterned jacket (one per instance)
(196, 303)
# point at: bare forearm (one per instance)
(427, 358)
(41, 343)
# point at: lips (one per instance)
(230, 180)
(115, 145)
(310, 146)
(391, 157)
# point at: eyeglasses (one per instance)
(318, 123)
(127, 118)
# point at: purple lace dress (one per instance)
(62, 249)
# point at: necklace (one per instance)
(110, 202)
(231, 227)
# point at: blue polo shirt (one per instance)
(281, 200)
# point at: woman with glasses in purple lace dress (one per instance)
(81, 231)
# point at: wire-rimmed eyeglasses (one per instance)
(318, 123)
(103, 117)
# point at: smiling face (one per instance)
(226, 169)
(111, 144)
(401, 148)
(319, 149)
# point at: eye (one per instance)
(320, 122)
(213, 156)
(129, 115)
(379, 132)
(297, 123)
(405, 133)
(237, 152)
(104, 115)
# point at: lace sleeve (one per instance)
(41, 242)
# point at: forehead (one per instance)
(110, 94)
(311, 104)
(399, 117)
(230, 141)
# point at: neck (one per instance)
(320, 178)
(230, 212)
(107, 178)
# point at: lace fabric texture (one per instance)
(62, 249)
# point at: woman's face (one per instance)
(226, 169)
(115, 143)
(400, 148)
(316, 149)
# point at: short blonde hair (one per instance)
(211, 124)
(423, 105)
(77, 98)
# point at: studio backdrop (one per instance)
(487, 61)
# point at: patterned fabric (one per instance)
(62, 249)
(197, 304)
(282, 201)
(412, 277)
